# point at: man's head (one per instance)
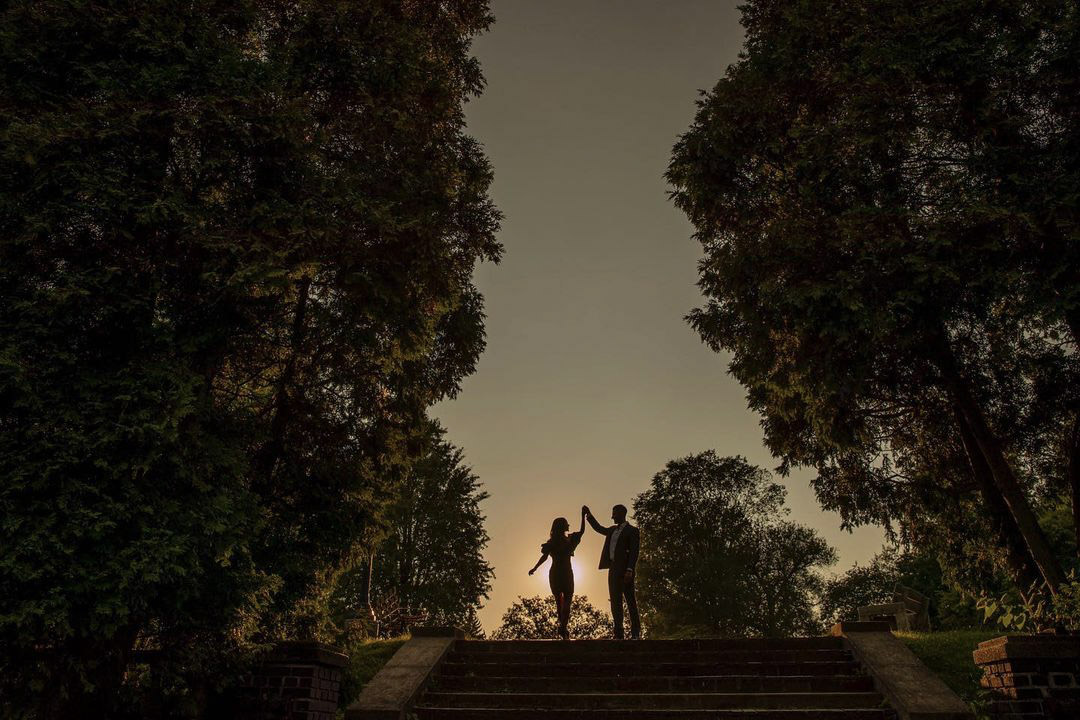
(618, 514)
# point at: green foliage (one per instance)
(366, 657)
(236, 253)
(718, 556)
(432, 559)
(887, 203)
(537, 618)
(1033, 611)
(1056, 519)
(948, 655)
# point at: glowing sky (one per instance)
(592, 380)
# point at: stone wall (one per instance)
(296, 681)
(1031, 676)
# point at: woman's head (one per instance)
(559, 527)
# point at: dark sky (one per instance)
(592, 380)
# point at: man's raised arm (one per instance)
(595, 525)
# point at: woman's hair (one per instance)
(559, 526)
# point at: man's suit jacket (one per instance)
(626, 549)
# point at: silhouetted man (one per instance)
(619, 558)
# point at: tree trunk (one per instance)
(272, 449)
(367, 591)
(1005, 480)
(1024, 571)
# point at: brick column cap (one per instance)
(1013, 647)
(850, 626)
(302, 651)
(437, 631)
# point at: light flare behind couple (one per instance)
(619, 558)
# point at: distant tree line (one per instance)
(888, 201)
(236, 251)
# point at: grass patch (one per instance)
(365, 659)
(948, 655)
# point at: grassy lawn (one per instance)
(948, 655)
(365, 659)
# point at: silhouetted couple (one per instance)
(619, 558)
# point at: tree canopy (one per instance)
(886, 195)
(718, 555)
(236, 252)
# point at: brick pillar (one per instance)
(1031, 677)
(296, 681)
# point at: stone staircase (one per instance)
(781, 679)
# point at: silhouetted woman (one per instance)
(560, 547)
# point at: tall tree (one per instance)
(718, 556)
(236, 254)
(432, 560)
(784, 572)
(537, 618)
(886, 196)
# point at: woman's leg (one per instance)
(558, 609)
(560, 600)
(564, 614)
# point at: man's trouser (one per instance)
(618, 589)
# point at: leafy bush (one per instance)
(1036, 611)
(536, 618)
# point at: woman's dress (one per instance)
(561, 574)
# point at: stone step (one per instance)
(441, 713)
(704, 683)
(629, 656)
(655, 701)
(811, 643)
(646, 669)
(679, 701)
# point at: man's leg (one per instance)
(631, 606)
(614, 584)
